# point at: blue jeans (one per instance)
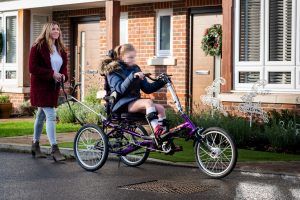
(49, 114)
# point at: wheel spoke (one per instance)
(214, 154)
(90, 147)
(138, 156)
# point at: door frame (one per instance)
(192, 12)
(74, 21)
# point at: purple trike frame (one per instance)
(147, 142)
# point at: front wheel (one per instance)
(216, 153)
(90, 147)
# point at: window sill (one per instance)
(275, 98)
(14, 89)
(162, 61)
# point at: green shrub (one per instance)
(26, 108)
(237, 127)
(283, 137)
(92, 96)
(64, 114)
(283, 117)
(83, 114)
(173, 117)
(4, 99)
(282, 131)
(86, 116)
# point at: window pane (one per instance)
(37, 25)
(280, 46)
(11, 74)
(11, 37)
(250, 30)
(248, 77)
(280, 77)
(123, 31)
(165, 29)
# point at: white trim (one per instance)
(82, 63)
(237, 37)
(159, 13)
(269, 98)
(243, 86)
(162, 61)
(280, 69)
(9, 66)
(124, 17)
(297, 78)
(31, 22)
(280, 63)
(14, 89)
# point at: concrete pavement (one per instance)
(22, 177)
(22, 144)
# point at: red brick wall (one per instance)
(141, 33)
(232, 107)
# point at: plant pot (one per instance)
(5, 110)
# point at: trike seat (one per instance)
(130, 116)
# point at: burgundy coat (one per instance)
(44, 90)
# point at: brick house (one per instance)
(260, 41)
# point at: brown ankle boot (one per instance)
(36, 150)
(55, 153)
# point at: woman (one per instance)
(47, 67)
(126, 78)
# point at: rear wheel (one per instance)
(139, 156)
(90, 147)
(216, 153)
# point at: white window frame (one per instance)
(298, 77)
(159, 13)
(237, 37)
(9, 66)
(264, 66)
(31, 23)
(279, 63)
(250, 66)
(298, 48)
(280, 87)
(245, 86)
(124, 16)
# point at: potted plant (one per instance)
(5, 106)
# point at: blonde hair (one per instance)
(45, 37)
(111, 60)
(122, 49)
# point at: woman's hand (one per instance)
(63, 77)
(139, 75)
(57, 76)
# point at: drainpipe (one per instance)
(190, 100)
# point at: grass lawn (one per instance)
(187, 155)
(19, 128)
